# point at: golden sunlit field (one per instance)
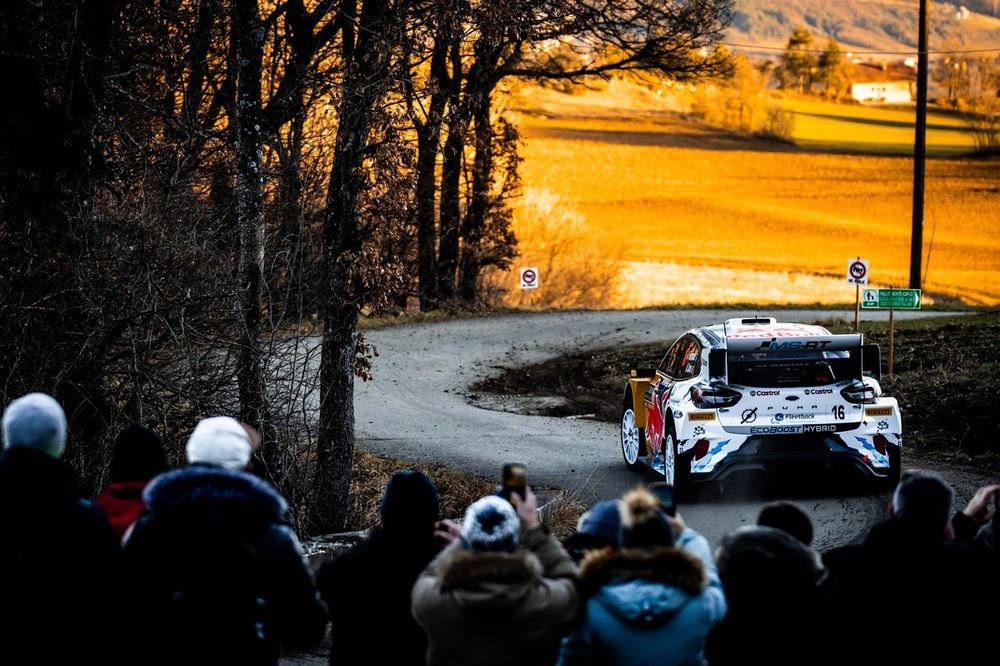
(676, 201)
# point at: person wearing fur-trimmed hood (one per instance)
(484, 600)
(652, 600)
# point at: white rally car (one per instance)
(757, 394)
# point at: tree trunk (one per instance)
(249, 35)
(451, 176)
(475, 219)
(428, 144)
(367, 66)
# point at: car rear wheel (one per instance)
(676, 466)
(895, 467)
(633, 437)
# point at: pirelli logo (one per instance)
(878, 411)
(701, 416)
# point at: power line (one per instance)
(994, 49)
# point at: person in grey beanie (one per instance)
(486, 599)
(59, 556)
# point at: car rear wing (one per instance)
(868, 356)
(844, 342)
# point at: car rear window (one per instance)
(790, 369)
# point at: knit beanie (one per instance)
(644, 524)
(220, 440)
(410, 503)
(35, 421)
(138, 455)
(599, 527)
(491, 525)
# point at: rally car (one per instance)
(755, 394)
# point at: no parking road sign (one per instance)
(529, 278)
(857, 271)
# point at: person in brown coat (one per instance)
(484, 600)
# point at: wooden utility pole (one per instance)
(919, 153)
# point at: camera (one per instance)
(514, 479)
(664, 493)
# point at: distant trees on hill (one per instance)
(801, 69)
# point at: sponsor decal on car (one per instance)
(774, 430)
(749, 415)
(759, 393)
(878, 411)
(778, 418)
(818, 391)
(775, 345)
(819, 428)
(701, 416)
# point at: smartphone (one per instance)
(514, 479)
(664, 493)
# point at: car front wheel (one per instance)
(632, 436)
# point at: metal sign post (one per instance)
(892, 336)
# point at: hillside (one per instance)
(867, 24)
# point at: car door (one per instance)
(658, 392)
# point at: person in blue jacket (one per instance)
(650, 601)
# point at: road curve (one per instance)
(418, 408)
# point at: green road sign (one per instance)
(894, 299)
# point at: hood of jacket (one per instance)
(206, 489)
(490, 580)
(642, 586)
(36, 483)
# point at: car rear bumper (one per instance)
(794, 454)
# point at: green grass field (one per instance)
(868, 129)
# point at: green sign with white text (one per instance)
(890, 299)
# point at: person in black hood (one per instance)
(218, 575)
(58, 555)
(367, 589)
(912, 585)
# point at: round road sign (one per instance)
(529, 278)
(857, 271)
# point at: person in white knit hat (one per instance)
(221, 576)
(488, 600)
(59, 556)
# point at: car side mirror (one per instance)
(871, 362)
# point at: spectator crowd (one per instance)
(199, 565)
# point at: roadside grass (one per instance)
(655, 187)
(456, 489)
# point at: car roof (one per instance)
(755, 327)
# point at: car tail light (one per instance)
(710, 397)
(859, 393)
(881, 443)
(700, 449)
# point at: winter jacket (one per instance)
(647, 606)
(776, 597)
(367, 591)
(59, 566)
(497, 608)
(122, 502)
(218, 575)
(921, 591)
